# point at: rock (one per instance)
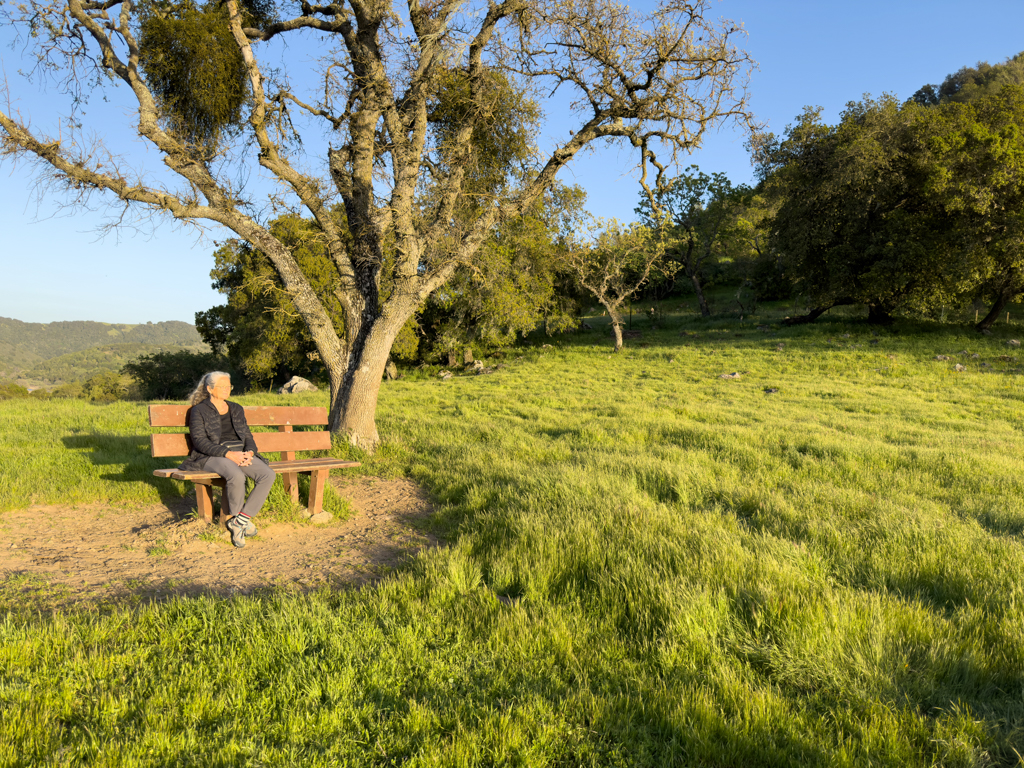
(586, 327)
(764, 328)
(478, 365)
(467, 356)
(445, 375)
(391, 371)
(770, 390)
(963, 352)
(730, 375)
(846, 335)
(321, 517)
(295, 385)
(307, 514)
(959, 367)
(1013, 343)
(481, 371)
(942, 358)
(975, 356)
(453, 360)
(780, 346)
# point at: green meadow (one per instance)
(820, 562)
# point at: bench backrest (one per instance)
(283, 417)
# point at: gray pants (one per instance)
(235, 476)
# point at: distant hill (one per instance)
(48, 340)
(79, 366)
(14, 359)
(24, 346)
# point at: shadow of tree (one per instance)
(130, 453)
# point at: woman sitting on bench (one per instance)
(222, 443)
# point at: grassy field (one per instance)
(818, 563)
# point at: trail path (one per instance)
(97, 553)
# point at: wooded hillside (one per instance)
(68, 351)
(49, 340)
(78, 366)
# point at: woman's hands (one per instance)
(241, 458)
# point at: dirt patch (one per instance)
(97, 553)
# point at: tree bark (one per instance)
(701, 300)
(616, 317)
(1003, 297)
(810, 317)
(354, 397)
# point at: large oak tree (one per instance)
(401, 97)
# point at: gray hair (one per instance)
(199, 393)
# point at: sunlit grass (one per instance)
(692, 571)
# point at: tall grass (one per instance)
(691, 571)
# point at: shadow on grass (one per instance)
(132, 453)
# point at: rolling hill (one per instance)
(76, 350)
(49, 340)
(78, 366)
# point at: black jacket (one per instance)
(204, 429)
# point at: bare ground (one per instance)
(99, 554)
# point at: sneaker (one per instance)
(251, 529)
(237, 529)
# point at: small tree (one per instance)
(698, 209)
(616, 264)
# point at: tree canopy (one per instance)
(969, 83)
(898, 206)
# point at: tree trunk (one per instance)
(354, 397)
(810, 317)
(701, 300)
(1003, 297)
(616, 317)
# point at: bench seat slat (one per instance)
(180, 444)
(309, 465)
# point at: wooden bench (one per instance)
(285, 441)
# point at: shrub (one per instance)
(173, 375)
(9, 390)
(106, 387)
(70, 389)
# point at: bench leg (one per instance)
(317, 481)
(290, 480)
(204, 502)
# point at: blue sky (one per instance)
(57, 264)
